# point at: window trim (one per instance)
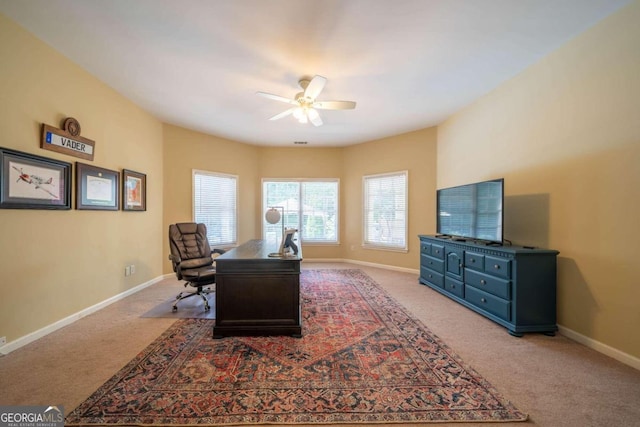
(379, 246)
(302, 180)
(195, 172)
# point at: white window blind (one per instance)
(215, 205)
(311, 206)
(385, 210)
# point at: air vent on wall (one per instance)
(300, 142)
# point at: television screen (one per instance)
(472, 211)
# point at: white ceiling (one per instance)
(409, 64)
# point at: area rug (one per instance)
(362, 359)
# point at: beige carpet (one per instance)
(188, 308)
(558, 382)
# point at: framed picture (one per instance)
(28, 181)
(97, 188)
(134, 191)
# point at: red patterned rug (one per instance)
(362, 359)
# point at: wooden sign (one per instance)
(67, 140)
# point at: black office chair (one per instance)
(192, 260)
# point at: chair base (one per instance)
(202, 291)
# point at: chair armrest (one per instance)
(175, 262)
(217, 253)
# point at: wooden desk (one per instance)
(257, 294)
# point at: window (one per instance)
(215, 205)
(311, 206)
(385, 210)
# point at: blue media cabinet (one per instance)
(512, 285)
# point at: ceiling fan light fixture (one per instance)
(312, 114)
(298, 113)
(305, 104)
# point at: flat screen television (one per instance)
(472, 211)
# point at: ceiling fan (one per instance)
(304, 103)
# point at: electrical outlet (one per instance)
(3, 341)
(127, 270)
(132, 269)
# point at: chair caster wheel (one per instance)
(174, 309)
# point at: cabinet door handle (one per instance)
(497, 267)
(483, 282)
(483, 300)
(473, 260)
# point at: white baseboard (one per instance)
(22, 341)
(616, 354)
(368, 264)
(620, 356)
(323, 260)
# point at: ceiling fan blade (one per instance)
(314, 117)
(315, 87)
(277, 98)
(335, 105)
(283, 114)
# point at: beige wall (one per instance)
(414, 152)
(565, 135)
(56, 263)
(186, 150)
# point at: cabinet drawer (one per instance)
(437, 251)
(488, 302)
(498, 287)
(432, 277)
(432, 263)
(453, 286)
(498, 266)
(425, 248)
(474, 260)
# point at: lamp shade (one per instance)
(272, 216)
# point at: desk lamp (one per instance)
(273, 216)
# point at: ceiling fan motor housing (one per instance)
(304, 83)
